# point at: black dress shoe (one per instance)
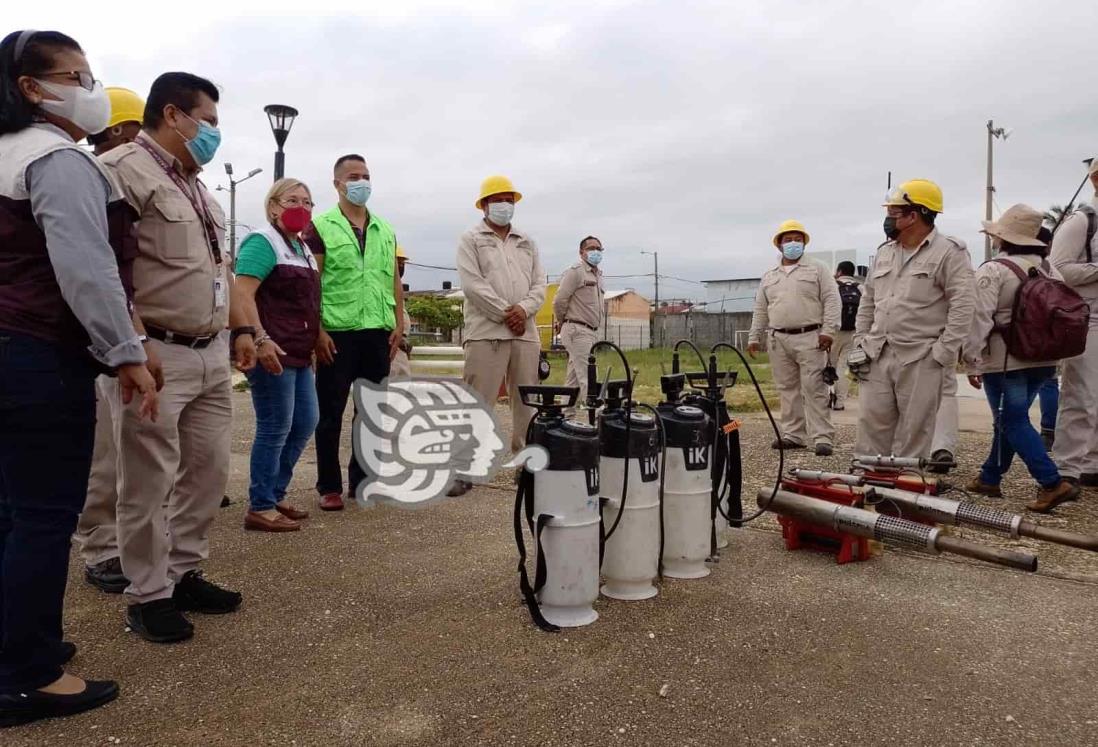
(943, 462)
(195, 594)
(823, 449)
(158, 621)
(785, 444)
(107, 576)
(22, 708)
(226, 501)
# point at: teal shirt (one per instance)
(256, 257)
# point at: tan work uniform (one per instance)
(795, 304)
(1075, 449)
(839, 350)
(173, 473)
(401, 365)
(97, 531)
(578, 306)
(913, 319)
(496, 274)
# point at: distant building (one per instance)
(628, 319)
(730, 295)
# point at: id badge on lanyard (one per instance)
(220, 292)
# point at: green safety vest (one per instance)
(356, 286)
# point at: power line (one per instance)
(432, 267)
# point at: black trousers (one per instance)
(360, 354)
(47, 432)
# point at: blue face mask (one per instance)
(594, 257)
(793, 250)
(358, 192)
(203, 146)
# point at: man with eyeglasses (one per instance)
(915, 312)
(173, 473)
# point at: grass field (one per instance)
(649, 365)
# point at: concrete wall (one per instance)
(722, 296)
(628, 334)
(703, 329)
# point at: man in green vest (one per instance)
(361, 314)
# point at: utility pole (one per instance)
(992, 133)
(232, 203)
(656, 260)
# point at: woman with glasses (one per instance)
(65, 316)
(278, 287)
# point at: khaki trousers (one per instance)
(578, 341)
(173, 473)
(797, 364)
(840, 349)
(488, 361)
(899, 405)
(1075, 449)
(947, 424)
(400, 366)
(96, 533)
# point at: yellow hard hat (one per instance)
(495, 185)
(921, 192)
(790, 226)
(400, 252)
(126, 106)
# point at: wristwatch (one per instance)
(238, 331)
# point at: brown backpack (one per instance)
(1048, 321)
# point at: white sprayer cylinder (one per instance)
(630, 560)
(570, 542)
(686, 527)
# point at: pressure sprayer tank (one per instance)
(687, 519)
(568, 492)
(630, 560)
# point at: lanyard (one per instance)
(199, 204)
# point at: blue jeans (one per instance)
(1049, 394)
(1016, 391)
(47, 430)
(285, 418)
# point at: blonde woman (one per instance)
(278, 288)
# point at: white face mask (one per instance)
(88, 110)
(501, 213)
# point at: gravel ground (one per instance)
(389, 627)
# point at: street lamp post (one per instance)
(656, 275)
(992, 133)
(232, 203)
(282, 119)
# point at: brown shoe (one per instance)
(1050, 498)
(290, 512)
(331, 502)
(257, 522)
(975, 485)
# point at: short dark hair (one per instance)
(343, 159)
(585, 239)
(35, 57)
(845, 268)
(181, 90)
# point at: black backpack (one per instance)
(851, 296)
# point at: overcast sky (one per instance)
(688, 127)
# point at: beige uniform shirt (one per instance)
(1070, 258)
(996, 287)
(580, 295)
(495, 274)
(801, 297)
(174, 272)
(922, 306)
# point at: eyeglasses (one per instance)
(296, 202)
(84, 78)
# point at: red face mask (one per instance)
(294, 219)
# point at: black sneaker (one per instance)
(195, 594)
(159, 621)
(823, 449)
(107, 576)
(22, 708)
